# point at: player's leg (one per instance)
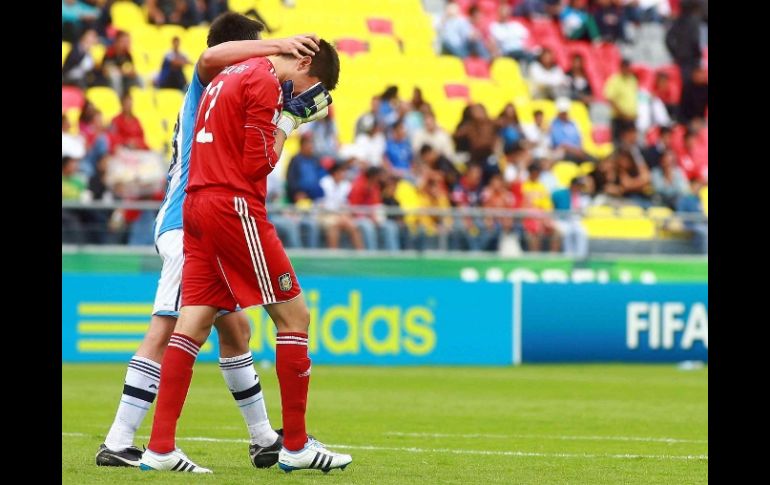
(237, 366)
(192, 330)
(143, 373)
(292, 320)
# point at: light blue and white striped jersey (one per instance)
(170, 213)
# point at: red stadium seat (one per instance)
(476, 67)
(542, 30)
(351, 47)
(380, 26)
(645, 75)
(71, 97)
(609, 58)
(675, 78)
(601, 134)
(457, 91)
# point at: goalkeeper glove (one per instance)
(310, 105)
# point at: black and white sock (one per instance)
(139, 391)
(243, 382)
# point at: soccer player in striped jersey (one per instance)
(232, 38)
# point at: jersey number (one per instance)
(204, 136)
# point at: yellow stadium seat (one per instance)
(586, 168)
(127, 15)
(194, 42)
(105, 100)
(505, 70)
(630, 211)
(703, 194)
(449, 112)
(490, 94)
(565, 171)
(66, 47)
(168, 101)
(73, 116)
(241, 6)
(600, 151)
(168, 32)
(143, 99)
(659, 213)
(97, 53)
(188, 72)
(380, 45)
(600, 211)
(449, 67)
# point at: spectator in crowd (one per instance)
(480, 133)
(171, 71)
(691, 157)
(621, 91)
(649, 10)
(514, 162)
(97, 221)
(577, 81)
(363, 121)
(508, 126)
(629, 141)
(695, 96)
(664, 90)
(434, 160)
(691, 204)
(634, 178)
(482, 45)
(126, 129)
(435, 136)
(577, 23)
(653, 153)
(537, 200)
(573, 233)
(538, 135)
(336, 190)
(610, 17)
(398, 150)
(605, 182)
(369, 145)
(366, 191)
(72, 187)
(95, 134)
(537, 8)
(651, 111)
(509, 35)
(669, 181)
(414, 112)
(304, 174)
(546, 78)
(75, 17)
(326, 140)
(79, 67)
(683, 39)
(73, 146)
(177, 12)
(389, 200)
(466, 193)
(388, 109)
(565, 136)
(432, 194)
(118, 64)
(496, 195)
(214, 8)
(459, 36)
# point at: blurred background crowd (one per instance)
(571, 121)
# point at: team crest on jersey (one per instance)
(284, 282)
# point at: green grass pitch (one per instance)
(550, 424)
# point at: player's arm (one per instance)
(216, 58)
(310, 105)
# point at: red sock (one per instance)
(177, 370)
(293, 368)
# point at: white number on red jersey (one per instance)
(204, 136)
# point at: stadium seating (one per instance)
(66, 47)
(127, 16)
(106, 100)
(71, 97)
(565, 171)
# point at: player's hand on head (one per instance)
(299, 46)
(310, 105)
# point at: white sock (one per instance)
(243, 382)
(139, 391)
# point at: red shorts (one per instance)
(232, 254)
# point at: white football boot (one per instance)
(313, 456)
(175, 461)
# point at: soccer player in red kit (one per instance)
(233, 256)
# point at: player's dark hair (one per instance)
(233, 26)
(325, 65)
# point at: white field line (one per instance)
(455, 451)
(543, 437)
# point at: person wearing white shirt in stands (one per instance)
(336, 189)
(547, 80)
(510, 35)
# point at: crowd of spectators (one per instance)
(342, 195)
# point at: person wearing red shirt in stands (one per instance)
(126, 130)
(366, 191)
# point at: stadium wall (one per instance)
(431, 312)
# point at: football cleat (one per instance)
(265, 457)
(128, 457)
(313, 456)
(175, 461)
